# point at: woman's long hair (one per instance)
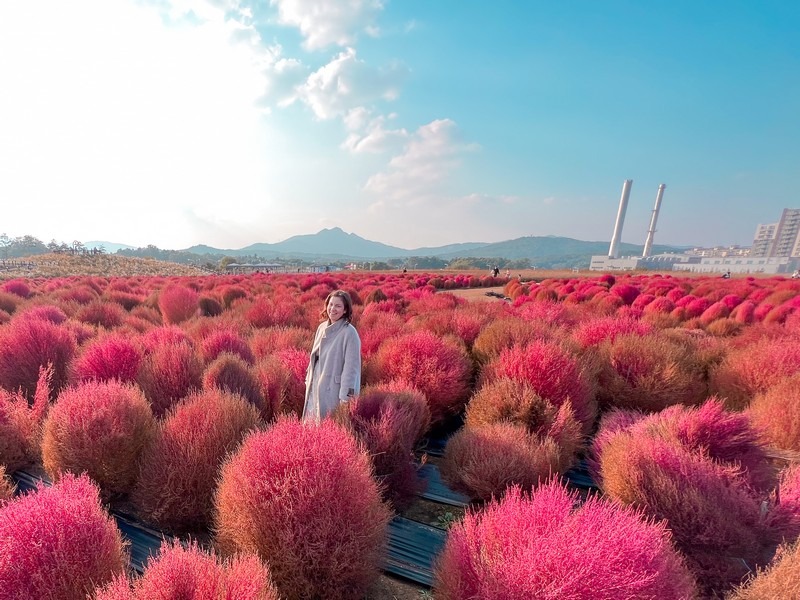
(348, 305)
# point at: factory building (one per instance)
(776, 248)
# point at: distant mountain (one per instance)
(109, 247)
(332, 244)
(336, 245)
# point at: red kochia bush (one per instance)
(552, 372)
(225, 340)
(28, 345)
(177, 303)
(483, 461)
(389, 420)
(776, 414)
(57, 543)
(281, 390)
(169, 373)
(596, 331)
(374, 328)
(541, 546)
(189, 573)
(8, 302)
(721, 435)
(266, 341)
(165, 336)
(110, 357)
(296, 493)
(21, 424)
(179, 469)
(709, 431)
(100, 428)
(231, 374)
(44, 312)
(102, 313)
(713, 517)
(438, 367)
(17, 287)
(753, 369)
(649, 373)
(505, 332)
(627, 292)
(513, 402)
(294, 363)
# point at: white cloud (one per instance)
(420, 173)
(114, 125)
(347, 82)
(370, 134)
(329, 22)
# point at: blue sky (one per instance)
(410, 122)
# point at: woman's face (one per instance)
(335, 308)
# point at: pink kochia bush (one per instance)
(230, 373)
(776, 414)
(482, 462)
(226, 340)
(389, 420)
(552, 372)
(189, 573)
(168, 373)
(512, 436)
(303, 498)
(177, 303)
(755, 368)
(542, 546)
(649, 373)
(21, 424)
(101, 428)
(518, 403)
(438, 367)
(179, 470)
(110, 357)
(57, 543)
(28, 345)
(708, 504)
(596, 331)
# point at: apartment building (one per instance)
(781, 239)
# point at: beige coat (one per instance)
(336, 374)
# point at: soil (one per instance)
(433, 513)
(479, 294)
(391, 588)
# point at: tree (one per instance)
(5, 243)
(78, 247)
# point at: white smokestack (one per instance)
(648, 244)
(613, 249)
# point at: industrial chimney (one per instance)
(648, 244)
(613, 249)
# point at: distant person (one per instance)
(495, 271)
(796, 274)
(334, 367)
(405, 270)
(508, 274)
(726, 275)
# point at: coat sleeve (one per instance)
(351, 373)
(314, 345)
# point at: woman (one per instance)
(334, 369)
